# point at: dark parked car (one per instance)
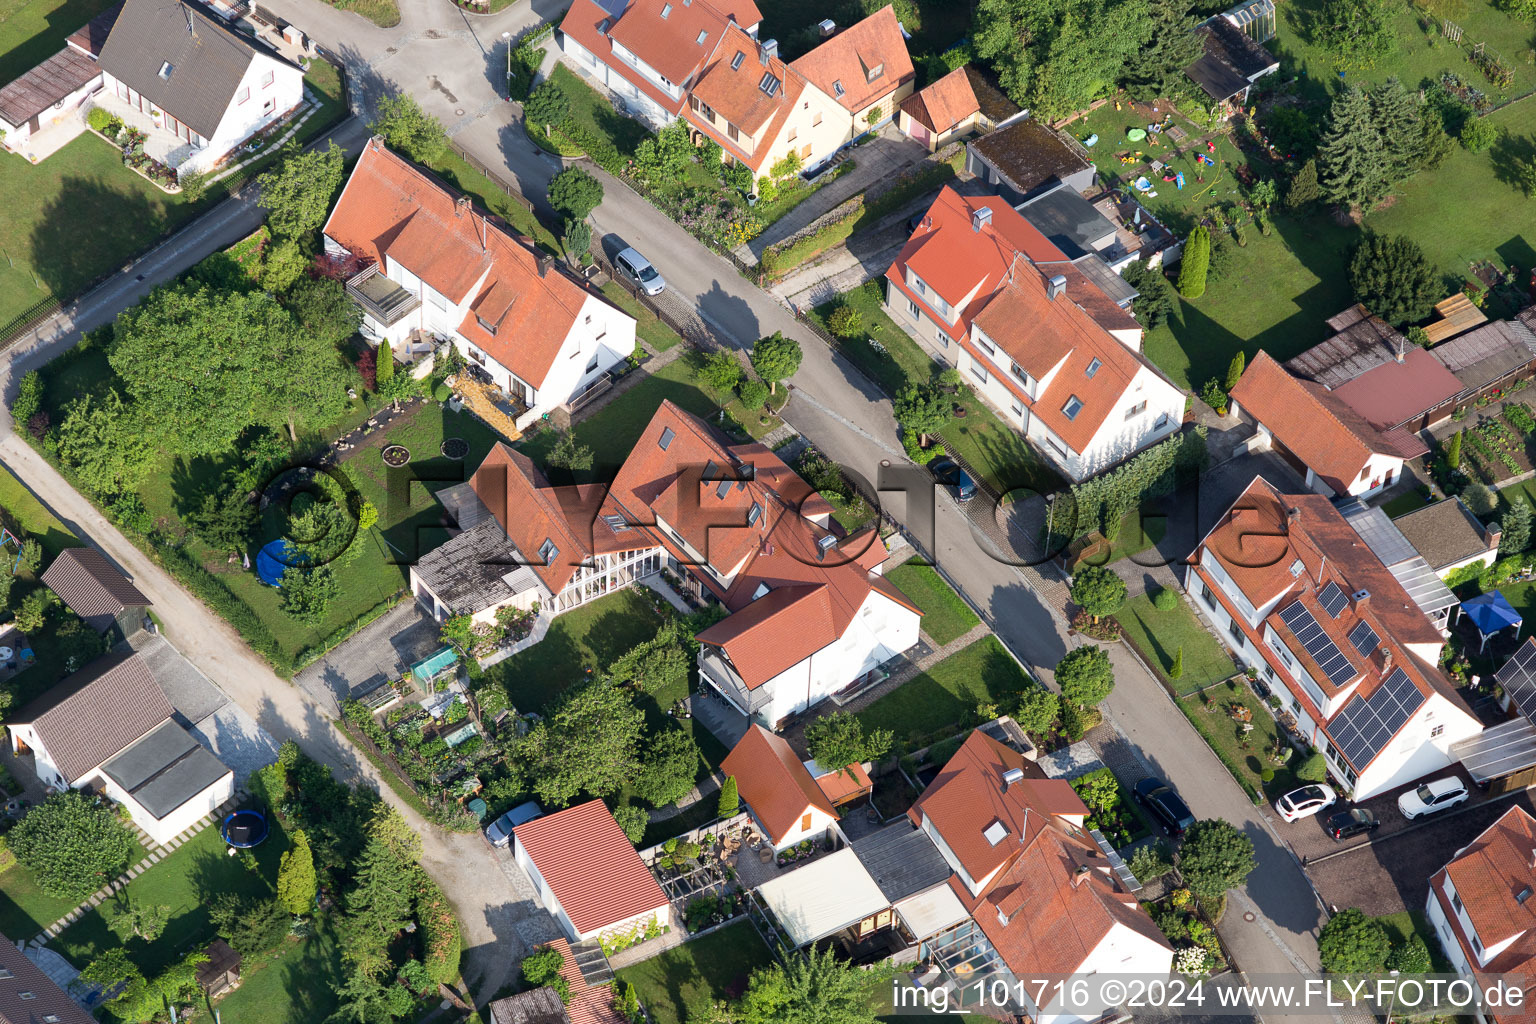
(947, 472)
(1157, 797)
(1353, 822)
(499, 832)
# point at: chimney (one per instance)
(1292, 514)
(1360, 597)
(981, 217)
(545, 262)
(1055, 286)
(823, 545)
(1402, 348)
(767, 50)
(460, 205)
(1077, 875)
(828, 28)
(1492, 534)
(1386, 661)
(1012, 776)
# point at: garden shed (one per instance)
(1489, 358)
(221, 971)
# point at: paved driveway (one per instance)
(1392, 874)
(381, 651)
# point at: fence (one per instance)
(511, 191)
(39, 312)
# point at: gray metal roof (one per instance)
(1362, 342)
(1096, 269)
(476, 569)
(207, 59)
(902, 860)
(1398, 554)
(165, 769)
(1069, 221)
(1504, 748)
(463, 504)
(1483, 355)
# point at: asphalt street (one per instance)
(451, 62)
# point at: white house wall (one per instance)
(242, 120)
(1415, 753)
(163, 830)
(1123, 951)
(600, 331)
(546, 898)
(820, 821)
(637, 102)
(42, 762)
(878, 632)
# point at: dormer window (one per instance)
(875, 72)
(166, 67)
(1093, 368)
(1072, 408)
(548, 551)
(666, 9)
(736, 60)
(486, 326)
(769, 85)
(762, 588)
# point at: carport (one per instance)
(1498, 752)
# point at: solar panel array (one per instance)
(1518, 677)
(1332, 599)
(1367, 724)
(1365, 639)
(1318, 644)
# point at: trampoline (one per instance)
(274, 559)
(245, 829)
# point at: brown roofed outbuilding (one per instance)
(93, 588)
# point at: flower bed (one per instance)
(711, 909)
(1109, 810)
(1497, 448)
(1197, 949)
(806, 849)
(130, 141)
(613, 942)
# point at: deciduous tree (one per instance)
(775, 358)
(1056, 58)
(105, 443)
(1358, 34)
(838, 739)
(922, 411)
(632, 821)
(1085, 676)
(1157, 70)
(322, 308)
(297, 193)
(568, 453)
(720, 370)
(1351, 943)
(72, 845)
(590, 742)
(409, 129)
(575, 193)
(546, 107)
(308, 593)
(1215, 857)
(670, 767)
(818, 988)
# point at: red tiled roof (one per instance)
(1257, 544)
(590, 866)
(1489, 876)
(943, 104)
(756, 637)
(585, 23)
(391, 208)
(1395, 393)
(1323, 432)
(670, 44)
(737, 96)
(850, 56)
(1047, 895)
(842, 786)
(773, 782)
(530, 511)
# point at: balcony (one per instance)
(381, 299)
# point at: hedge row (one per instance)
(440, 941)
(213, 592)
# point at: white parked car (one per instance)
(1305, 802)
(639, 270)
(1433, 797)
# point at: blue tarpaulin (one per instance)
(1491, 613)
(274, 559)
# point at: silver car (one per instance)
(638, 269)
(499, 832)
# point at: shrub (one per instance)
(1212, 394)
(1478, 134)
(29, 396)
(542, 967)
(1151, 861)
(99, 120)
(754, 394)
(441, 942)
(632, 821)
(1098, 591)
(1176, 670)
(844, 322)
(1072, 723)
(1165, 600)
(1410, 957)
(1351, 943)
(730, 799)
(1195, 263)
(720, 371)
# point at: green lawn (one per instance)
(1159, 635)
(613, 430)
(1136, 535)
(946, 616)
(588, 107)
(1405, 503)
(31, 31)
(994, 449)
(1401, 925)
(1419, 55)
(297, 986)
(75, 217)
(25, 909)
(457, 172)
(681, 984)
(579, 643)
(940, 702)
(186, 881)
(649, 328)
(1246, 757)
(33, 519)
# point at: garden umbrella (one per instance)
(1491, 613)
